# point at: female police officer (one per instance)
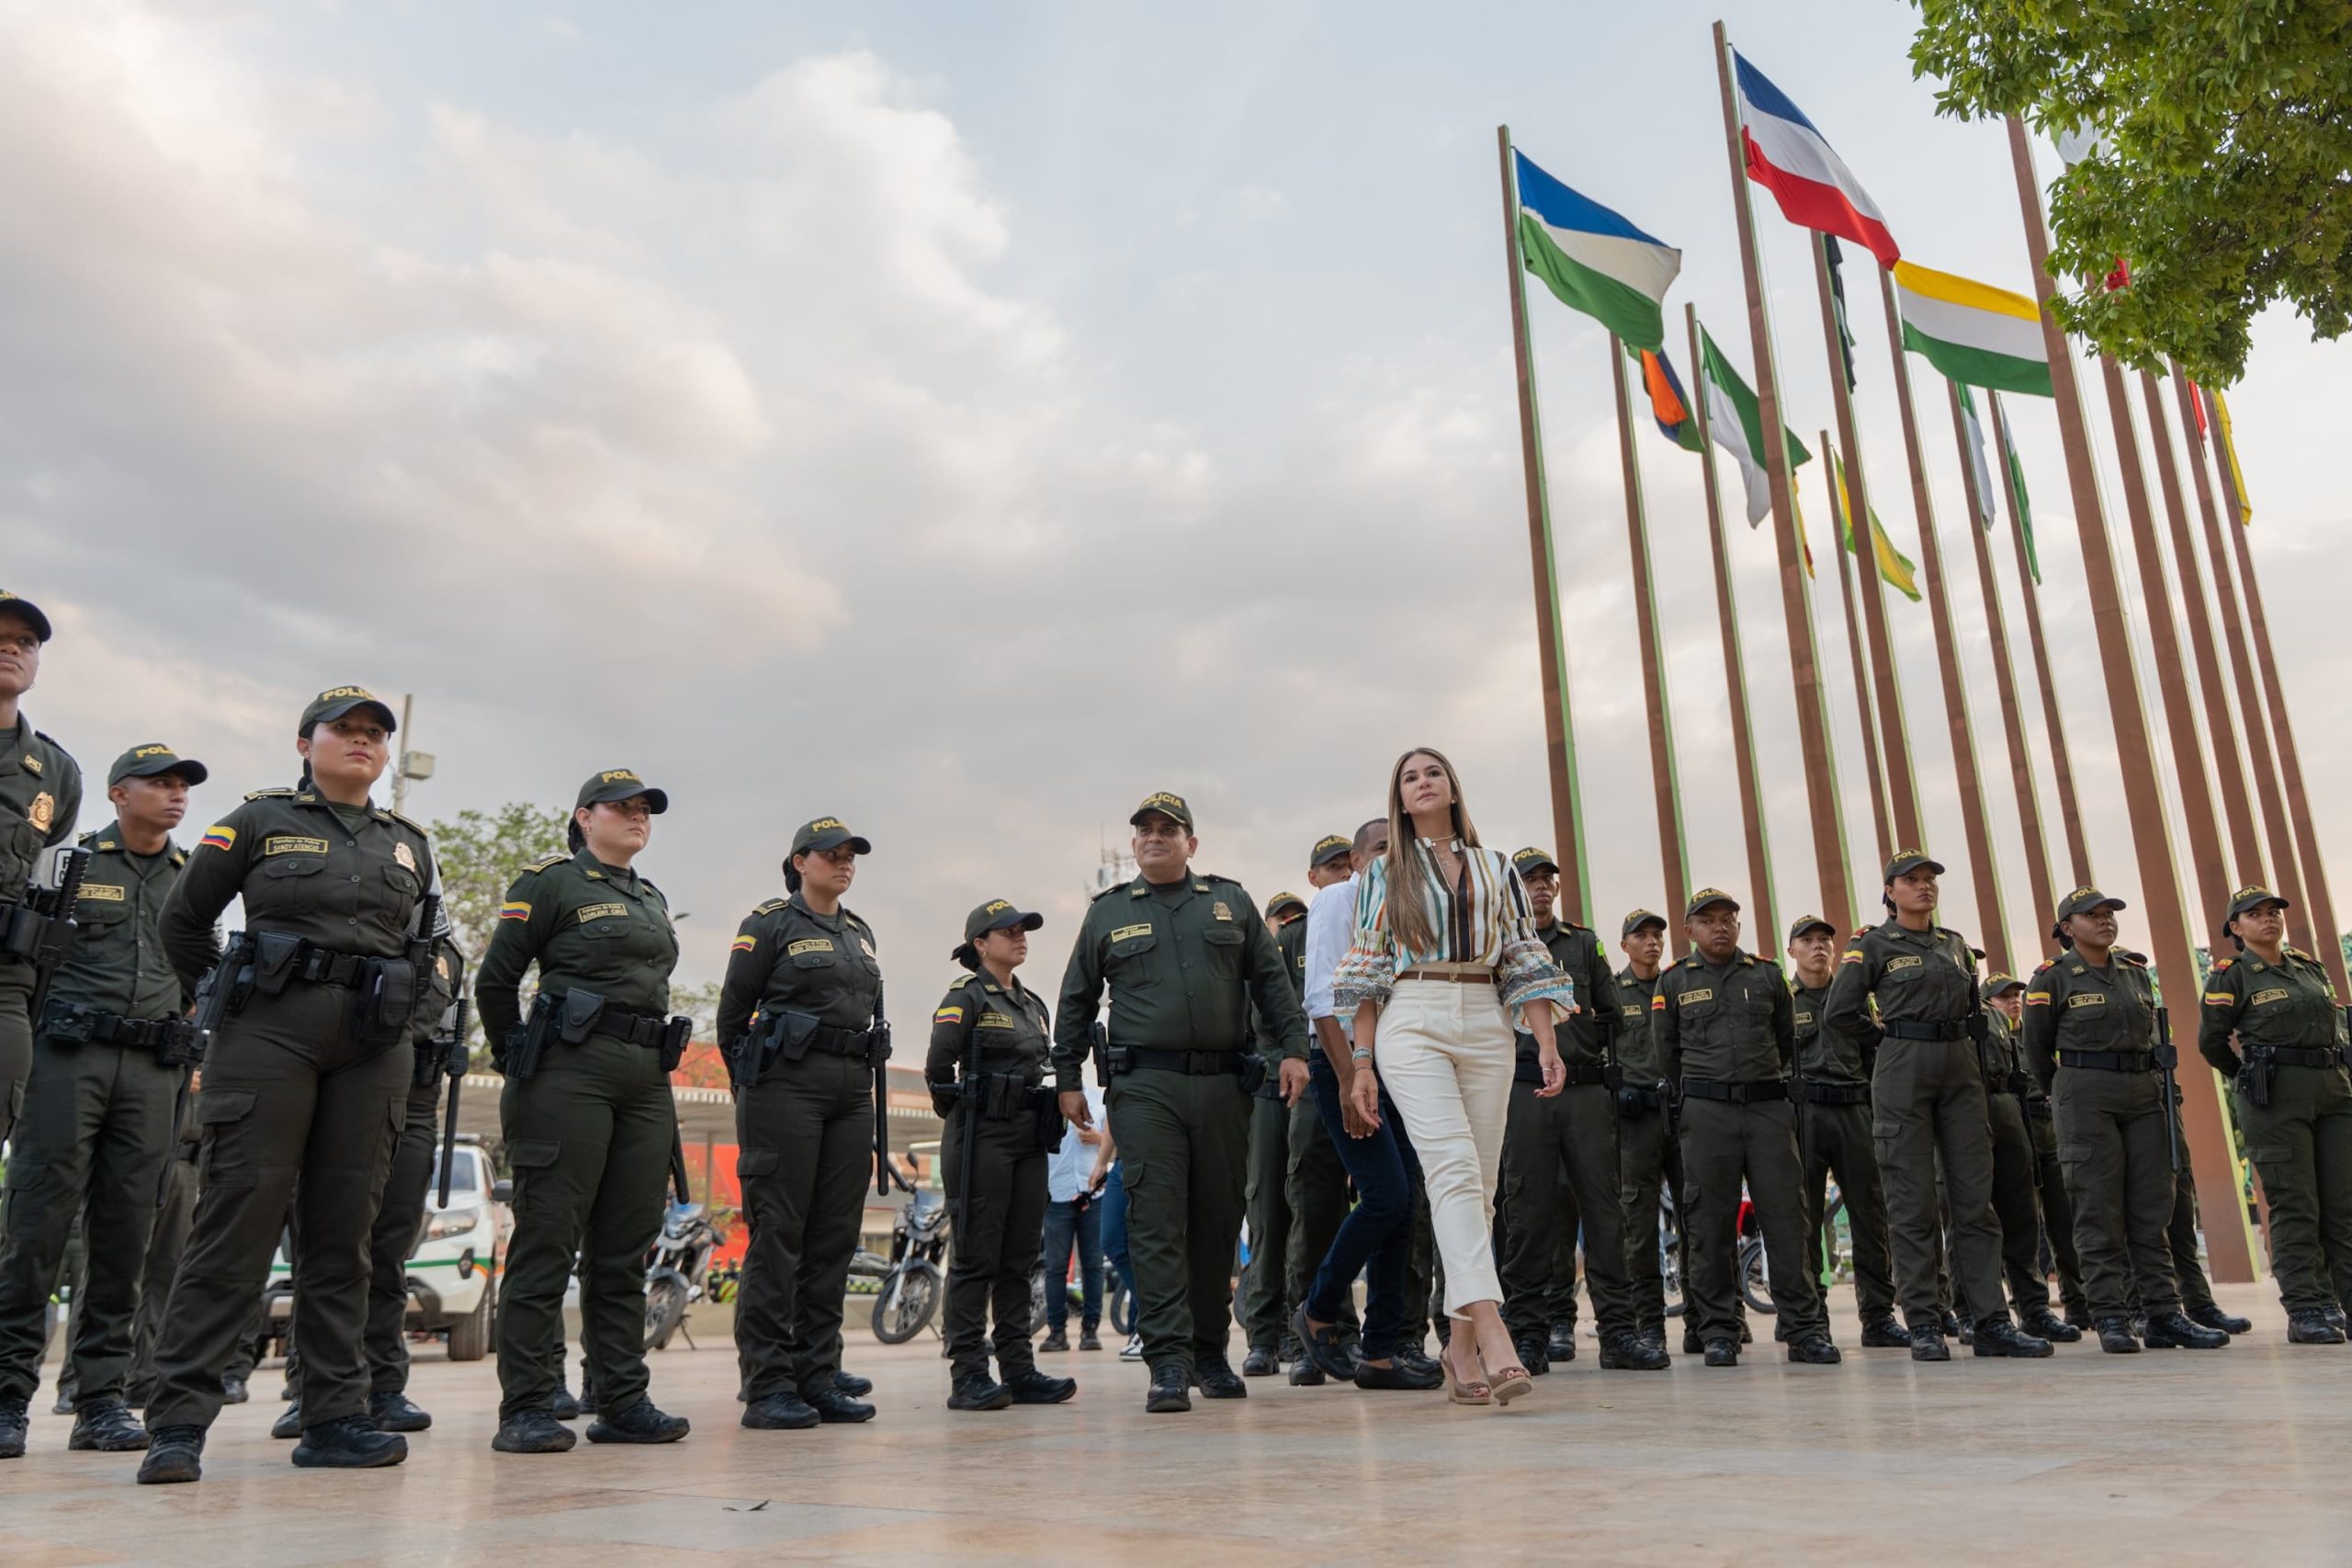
(587, 1114)
(2090, 1037)
(986, 1074)
(307, 1074)
(2294, 1102)
(800, 1017)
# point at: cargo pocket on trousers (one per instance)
(527, 1156)
(753, 1167)
(2271, 1156)
(224, 1120)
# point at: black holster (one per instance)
(2258, 1076)
(526, 1047)
(383, 1002)
(675, 1036)
(781, 1035)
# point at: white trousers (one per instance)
(1446, 1053)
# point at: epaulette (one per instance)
(88, 841)
(654, 888)
(538, 865)
(2051, 962)
(2288, 947)
(179, 855)
(1098, 897)
(1747, 958)
(849, 917)
(2129, 958)
(420, 829)
(772, 905)
(1861, 933)
(286, 791)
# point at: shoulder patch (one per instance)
(2223, 964)
(2051, 963)
(539, 865)
(285, 793)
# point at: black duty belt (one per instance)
(1530, 1069)
(836, 1042)
(1735, 1093)
(2297, 1055)
(1199, 1064)
(1005, 1097)
(2109, 1061)
(326, 966)
(81, 1024)
(2009, 1083)
(1925, 1029)
(638, 1028)
(1638, 1098)
(1837, 1093)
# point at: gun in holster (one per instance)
(2258, 1075)
(1606, 1023)
(385, 1000)
(223, 991)
(877, 1053)
(2167, 1062)
(527, 1046)
(1110, 1060)
(1254, 1072)
(779, 1036)
(41, 929)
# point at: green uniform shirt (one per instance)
(1290, 938)
(40, 795)
(1578, 952)
(604, 931)
(1183, 963)
(1729, 1022)
(1637, 1045)
(1009, 1024)
(2073, 1005)
(349, 884)
(2287, 1003)
(1909, 977)
(789, 958)
(118, 964)
(1824, 1058)
(2004, 1052)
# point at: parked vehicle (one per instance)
(915, 1277)
(677, 1269)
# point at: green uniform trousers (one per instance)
(1927, 1105)
(96, 1130)
(1421, 1285)
(2301, 1148)
(15, 1040)
(2111, 1143)
(1836, 1142)
(1184, 1141)
(1649, 1161)
(998, 1231)
(1316, 1185)
(2057, 1207)
(806, 1136)
(293, 1112)
(400, 1219)
(1722, 1145)
(2181, 1234)
(588, 1137)
(2018, 1209)
(166, 1245)
(1574, 1133)
(1267, 1298)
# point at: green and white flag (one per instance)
(1736, 420)
(2018, 505)
(1980, 475)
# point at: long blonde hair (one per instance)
(1408, 915)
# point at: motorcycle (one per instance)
(674, 1271)
(916, 1277)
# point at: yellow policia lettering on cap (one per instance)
(809, 944)
(745, 944)
(1160, 798)
(995, 907)
(339, 692)
(1126, 932)
(600, 912)
(822, 824)
(219, 837)
(948, 1015)
(514, 909)
(617, 776)
(148, 752)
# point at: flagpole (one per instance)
(2229, 762)
(2195, 780)
(1976, 832)
(1863, 710)
(2327, 943)
(1743, 731)
(1559, 724)
(2062, 764)
(1804, 666)
(2004, 675)
(2213, 1153)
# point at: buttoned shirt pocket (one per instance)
(1224, 945)
(1130, 963)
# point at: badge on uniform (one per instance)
(808, 944)
(1220, 911)
(602, 912)
(1123, 932)
(33, 766)
(405, 856)
(2261, 996)
(43, 810)
(1908, 961)
(1687, 998)
(2087, 1000)
(866, 947)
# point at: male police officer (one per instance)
(2050, 1176)
(41, 795)
(1648, 1158)
(1185, 955)
(1315, 1184)
(1575, 1131)
(2014, 1167)
(1833, 1096)
(1724, 1030)
(111, 1051)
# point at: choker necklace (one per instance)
(1449, 842)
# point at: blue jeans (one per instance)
(1065, 1223)
(1114, 1226)
(1377, 1239)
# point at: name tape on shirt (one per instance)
(288, 844)
(1909, 960)
(993, 1019)
(110, 893)
(588, 913)
(1704, 995)
(2087, 1000)
(2261, 996)
(809, 944)
(1123, 932)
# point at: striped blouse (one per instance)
(1483, 920)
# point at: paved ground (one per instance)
(2235, 1458)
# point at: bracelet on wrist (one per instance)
(1360, 1055)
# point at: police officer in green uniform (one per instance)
(1315, 1181)
(2018, 1187)
(985, 1071)
(1184, 954)
(587, 1115)
(1725, 1034)
(2181, 1237)
(802, 1016)
(1575, 1132)
(1832, 1091)
(40, 796)
(1267, 1298)
(1647, 1159)
(1906, 998)
(305, 1077)
(107, 1063)
(2091, 1037)
(2050, 1176)
(166, 1245)
(2271, 1025)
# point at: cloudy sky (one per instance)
(964, 421)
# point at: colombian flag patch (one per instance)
(948, 1015)
(745, 943)
(514, 909)
(222, 837)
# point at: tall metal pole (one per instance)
(2062, 764)
(1976, 832)
(399, 754)
(1743, 731)
(1559, 724)
(1893, 733)
(2213, 1154)
(1666, 780)
(1804, 665)
(1845, 544)
(2005, 680)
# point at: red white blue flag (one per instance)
(1793, 160)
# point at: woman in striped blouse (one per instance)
(1445, 949)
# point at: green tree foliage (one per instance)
(2224, 179)
(481, 854)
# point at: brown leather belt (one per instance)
(1475, 977)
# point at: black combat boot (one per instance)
(349, 1442)
(837, 1409)
(174, 1454)
(1628, 1352)
(1562, 1345)
(1535, 1354)
(1999, 1337)
(567, 1403)
(2047, 1325)
(2177, 1331)
(106, 1427)
(2211, 1315)
(643, 1422)
(288, 1425)
(1307, 1374)
(233, 1391)
(2305, 1325)
(1170, 1389)
(1722, 1352)
(977, 1391)
(392, 1412)
(1031, 1386)
(1928, 1342)
(781, 1412)
(1215, 1379)
(1815, 1350)
(533, 1432)
(851, 1384)
(1885, 1334)
(2115, 1337)
(1055, 1339)
(1260, 1362)
(15, 1426)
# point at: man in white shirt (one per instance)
(1073, 1218)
